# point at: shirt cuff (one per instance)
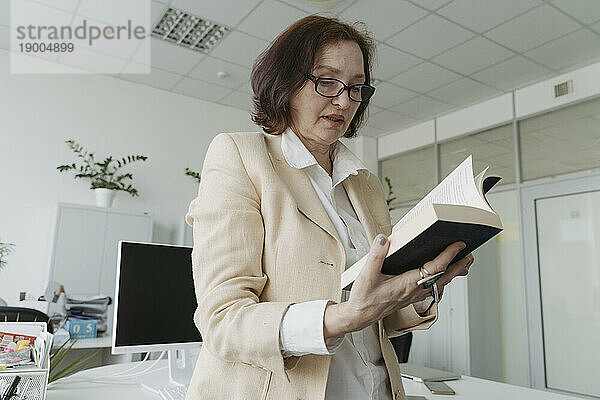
(422, 306)
(301, 330)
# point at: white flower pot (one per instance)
(104, 197)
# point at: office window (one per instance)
(494, 147)
(561, 142)
(412, 174)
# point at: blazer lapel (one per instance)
(299, 185)
(355, 187)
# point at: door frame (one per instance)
(530, 193)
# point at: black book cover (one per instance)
(433, 240)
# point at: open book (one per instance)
(455, 210)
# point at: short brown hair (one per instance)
(280, 71)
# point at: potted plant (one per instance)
(102, 175)
(390, 195)
(193, 174)
(5, 250)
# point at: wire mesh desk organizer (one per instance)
(24, 360)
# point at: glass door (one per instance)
(562, 247)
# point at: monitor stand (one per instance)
(181, 368)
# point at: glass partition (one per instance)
(494, 148)
(412, 174)
(561, 142)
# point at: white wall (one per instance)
(108, 116)
(409, 139)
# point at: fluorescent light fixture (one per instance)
(189, 31)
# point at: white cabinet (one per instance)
(84, 257)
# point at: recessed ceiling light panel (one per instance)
(192, 32)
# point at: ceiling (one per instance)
(434, 56)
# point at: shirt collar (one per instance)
(345, 163)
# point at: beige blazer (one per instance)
(263, 241)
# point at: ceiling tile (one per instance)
(269, 19)
(202, 90)
(431, 4)
(387, 95)
(157, 78)
(110, 13)
(92, 61)
(389, 121)
(43, 15)
(481, 15)
(209, 67)
(170, 57)
(240, 48)
(324, 7)
(67, 5)
(5, 13)
(429, 37)
(156, 11)
(4, 37)
(512, 73)
(390, 62)
(118, 48)
(568, 51)
(587, 11)
(424, 77)
(422, 107)
(228, 12)
(463, 92)
(383, 19)
(25, 63)
(240, 100)
(373, 109)
(474, 55)
(533, 28)
(246, 88)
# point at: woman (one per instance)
(279, 216)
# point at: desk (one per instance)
(470, 388)
(101, 346)
(99, 342)
(467, 388)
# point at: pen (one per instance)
(10, 392)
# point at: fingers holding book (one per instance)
(459, 268)
(440, 263)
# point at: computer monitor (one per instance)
(155, 303)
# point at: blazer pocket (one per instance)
(267, 386)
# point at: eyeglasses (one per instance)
(331, 87)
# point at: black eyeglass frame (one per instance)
(345, 87)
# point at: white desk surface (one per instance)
(467, 388)
(98, 342)
(93, 343)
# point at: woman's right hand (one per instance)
(375, 295)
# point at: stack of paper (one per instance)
(88, 307)
(35, 344)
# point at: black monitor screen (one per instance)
(156, 299)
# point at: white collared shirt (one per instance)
(357, 369)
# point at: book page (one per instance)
(457, 188)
